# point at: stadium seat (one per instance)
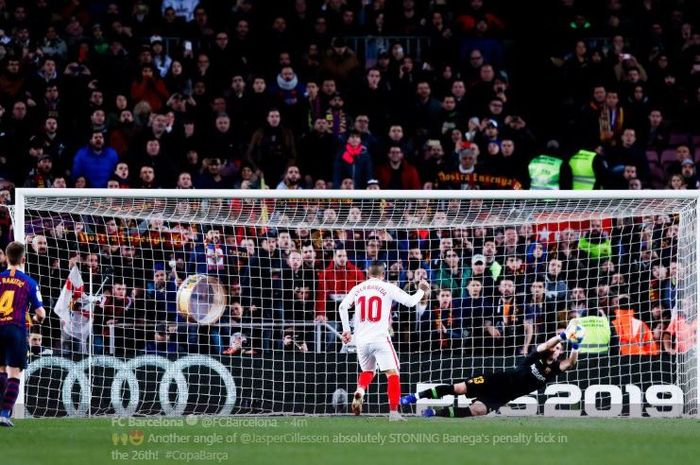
(652, 156)
(668, 156)
(678, 138)
(657, 176)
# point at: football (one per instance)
(576, 334)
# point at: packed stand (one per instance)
(353, 95)
(398, 94)
(495, 291)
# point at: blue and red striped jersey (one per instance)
(18, 295)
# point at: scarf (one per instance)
(351, 153)
(337, 119)
(443, 339)
(215, 257)
(284, 85)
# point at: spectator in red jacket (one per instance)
(397, 173)
(333, 284)
(150, 88)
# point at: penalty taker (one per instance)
(372, 300)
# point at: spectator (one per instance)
(450, 275)
(211, 256)
(397, 173)
(611, 118)
(288, 92)
(162, 166)
(149, 88)
(226, 142)
(333, 284)
(677, 182)
(679, 335)
(426, 110)
(446, 324)
(689, 173)
(316, 152)
(657, 131)
(12, 81)
(595, 243)
(271, 148)
(339, 121)
(415, 329)
(176, 81)
(212, 177)
(42, 174)
(291, 179)
(555, 287)
(114, 312)
(147, 178)
(627, 153)
(95, 162)
(481, 271)
(535, 311)
(53, 45)
(161, 60)
(460, 176)
(292, 341)
(632, 342)
(340, 62)
(373, 99)
(262, 287)
(161, 293)
(299, 285)
(353, 162)
(675, 166)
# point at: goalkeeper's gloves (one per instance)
(569, 333)
(564, 338)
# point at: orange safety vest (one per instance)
(634, 335)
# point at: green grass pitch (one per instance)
(364, 441)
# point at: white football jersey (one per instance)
(373, 300)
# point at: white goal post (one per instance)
(225, 302)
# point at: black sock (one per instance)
(437, 392)
(453, 412)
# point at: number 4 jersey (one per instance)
(373, 300)
(18, 294)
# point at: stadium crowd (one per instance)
(408, 94)
(351, 94)
(496, 290)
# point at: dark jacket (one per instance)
(360, 169)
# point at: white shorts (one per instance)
(381, 353)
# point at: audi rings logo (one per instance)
(125, 372)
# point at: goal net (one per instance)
(225, 302)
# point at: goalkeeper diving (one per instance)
(491, 391)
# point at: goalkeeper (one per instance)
(493, 390)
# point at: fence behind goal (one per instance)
(254, 328)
